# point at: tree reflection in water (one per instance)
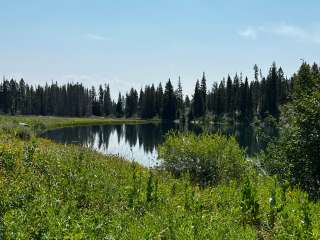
(139, 142)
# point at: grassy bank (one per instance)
(42, 123)
(52, 191)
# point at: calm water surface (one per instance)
(139, 142)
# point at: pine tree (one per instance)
(229, 96)
(119, 106)
(169, 111)
(101, 98)
(131, 103)
(303, 82)
(244, 87)
(272, 93)
(148, 103)
(13, 97)
(221, 100)
(203, 89)
(179, 97)
(107, 101)
(95, 103)
(22, 96)
(140, 102)
(198, 102)
(282, 88)
(256, 72)
(236, 93)
(159, 99)
(6, 96)
(187, 102)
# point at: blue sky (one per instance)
(132, 43)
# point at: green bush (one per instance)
(208, 158)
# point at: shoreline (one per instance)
(40, 124)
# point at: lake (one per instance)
(139, 142)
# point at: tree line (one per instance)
(234, 98)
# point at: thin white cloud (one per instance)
(283, 30)
(296, 32)
(248, 32)
(96, 37)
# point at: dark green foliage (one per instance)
(131, 107)
(159, 100)
(119, 107)
(169, 110)
(203, 90)
(198, 105)
(296, 154)
(13, 97)
(272, 91)
(66, 100)
(107, 103)
(179, 98)
(230, 99)
(100, 100)
(148, 108)
(187, 102)
(243, 100)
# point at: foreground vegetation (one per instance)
(50, 191)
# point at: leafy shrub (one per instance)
(208, 158)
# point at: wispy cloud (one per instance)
(297, 32)
(248, 32)
(282, 30)
(96, 37)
